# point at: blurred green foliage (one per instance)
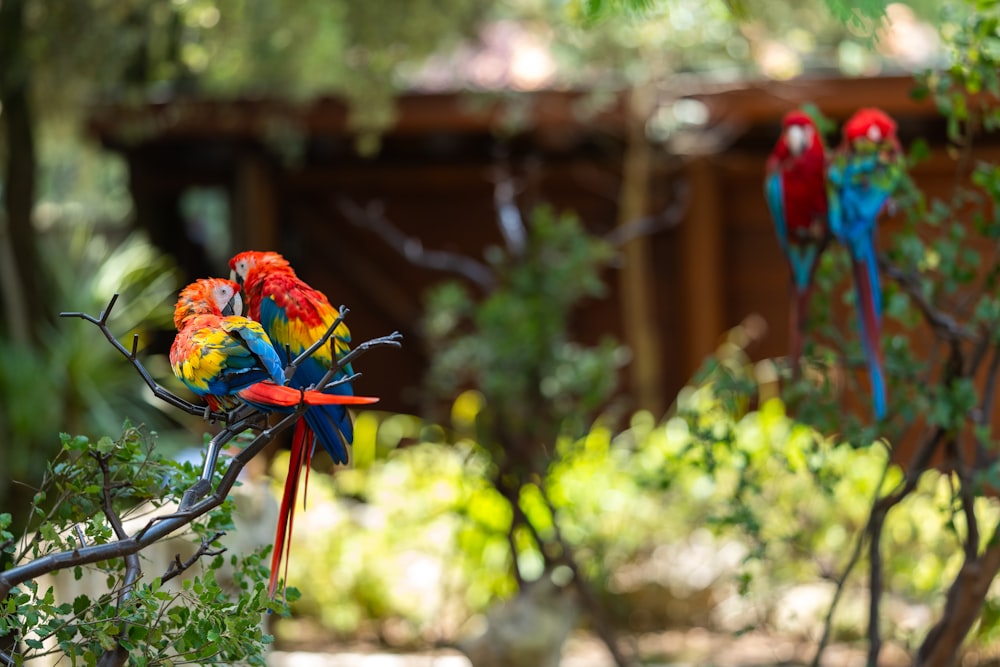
(514, 345)
(410, 547)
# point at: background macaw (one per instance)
(862, 176)
(795, 187)
(224, 357)
(295, 316)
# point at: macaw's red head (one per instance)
(254, 262)
(798, 133)
(799, 137)
(872, 125)
(208, 296)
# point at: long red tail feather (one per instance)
(270, 394)
(286, 511)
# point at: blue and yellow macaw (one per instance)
(864, 172)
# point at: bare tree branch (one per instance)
(841, 581)
(668, 218)
(157, 529)
(158, 391)
(372, 218)
(309, 351)
(941, 322)
(509, 218)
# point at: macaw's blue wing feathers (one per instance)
(260, 352)
(332, 424)
(803, 259)
(775, 196)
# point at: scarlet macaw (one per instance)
(225, 358)
(222, 356)
(862, 176)
(795, 187)
(295, 316)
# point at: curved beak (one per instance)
(236, 278)
(234, 307)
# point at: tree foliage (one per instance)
(214, 617)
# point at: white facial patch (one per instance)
(797, 137)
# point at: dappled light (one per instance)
(598, 333)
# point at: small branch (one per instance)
(392, 340)
(668, 218)
(372, 218)
(941, 322)
(962, 607)
(158, 391)
(133, 569)
(509, 218)
(159, 528)
(309, 351)
(982, 415)
(875, 525)
(841, 581)
(603, 626)
(177, 566)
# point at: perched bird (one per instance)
(295, 316)
(227, 358)
(862, 175)
(795, 187)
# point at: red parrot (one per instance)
(864, 172)
(295, 316)
(795, 187)
(224, 357)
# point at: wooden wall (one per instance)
(435, 177)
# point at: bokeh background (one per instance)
(559, 205)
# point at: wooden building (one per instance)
(287, 172)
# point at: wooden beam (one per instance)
(639, 307)
(702, 313)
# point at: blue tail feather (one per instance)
(331, 424)
(870, 323)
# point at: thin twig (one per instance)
(668, 218)
(158, 391)
(603, 626)
(852, 562)
(392, 340)
(309, 351)
(982, 416)
(509, 218)
(177, 566)
(159, 529)
(941, 322)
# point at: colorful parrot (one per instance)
(795, 187)
(227, 358)
(295, 316)
(862, 176)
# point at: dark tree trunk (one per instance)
(23, 291)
